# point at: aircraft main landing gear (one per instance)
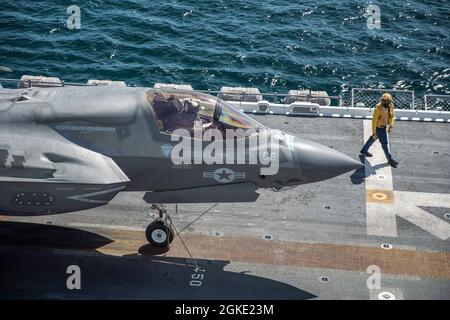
(160, 232)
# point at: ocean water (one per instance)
(274, 45)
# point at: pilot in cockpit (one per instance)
(175, 110)
(185, 117)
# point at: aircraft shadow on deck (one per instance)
(360, 175)
(36, 274)
(47, 235)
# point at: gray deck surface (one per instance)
(317, 231)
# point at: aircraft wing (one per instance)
(40, 171)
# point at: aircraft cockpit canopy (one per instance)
(175, 109)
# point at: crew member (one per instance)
(184, 118)
(382, 124)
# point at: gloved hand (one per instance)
(374, 136)
(389, 130)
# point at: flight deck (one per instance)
(318, 241)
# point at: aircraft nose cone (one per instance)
(318, 162)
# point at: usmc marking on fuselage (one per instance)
(224, 175)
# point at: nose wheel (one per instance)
(160, 233)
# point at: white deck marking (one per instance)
(105, 226)
(381, 218)
(378, 177)
(408, 204)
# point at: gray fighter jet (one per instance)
(69, 148)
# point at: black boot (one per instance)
(393, 163)
(366, 153)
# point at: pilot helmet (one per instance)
(192, 106)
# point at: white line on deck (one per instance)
(105, 226)
(410, 203)
(378, 177)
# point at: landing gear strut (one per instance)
(160, 232)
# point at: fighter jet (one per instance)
(71, 148)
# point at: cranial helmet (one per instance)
(386, 97)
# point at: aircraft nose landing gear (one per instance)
(160, 232)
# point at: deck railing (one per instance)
(357, 97)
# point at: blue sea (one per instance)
(274, 45)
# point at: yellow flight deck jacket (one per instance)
(382, 117)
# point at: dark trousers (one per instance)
(383, 137)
